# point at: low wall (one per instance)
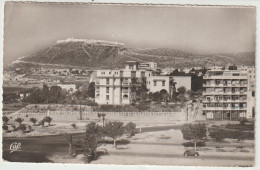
(74, 115)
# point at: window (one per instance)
(102, 72)
(154, 83)
(253, 93)
(107, 80)
(107, 89)
(107, 97)
(125, 96)
(235, 74)
(163, 83)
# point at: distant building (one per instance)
(148, 66)
(229, 94)
(68, 86)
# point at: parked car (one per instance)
(190, 152)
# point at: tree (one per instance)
(194, 132)
(19, 120)
(22, 128)
(33, 120)
(55, 94)
(91, 90)
(165, 95)
(130, 128)
(5, 120)
(68, 138)
(232, 67)
(133, 90)
(91, 141)
(45, 93)
(48, 119)
(114, 130)
(182, 90)
(157, 97)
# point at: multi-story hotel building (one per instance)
(229, 94)
(113, 87)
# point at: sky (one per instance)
(29, 28)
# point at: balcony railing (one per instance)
(125, 91)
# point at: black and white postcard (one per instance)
(129, 84)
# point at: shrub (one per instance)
(22, 127)
(247, 127)
(142, 107)
(91, 103)
(74, 125)
(5, 127)
(118, 142)
(5, 120)
(48, 119)
(218, 134)
(130, 129)
(243, 121)
(191, 144)
(240, 135)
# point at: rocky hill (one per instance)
(97, 54)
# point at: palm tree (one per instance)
(19, 120)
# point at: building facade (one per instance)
(113, 86)
(158, 83)
(229, 94)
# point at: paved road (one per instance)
(36, 149)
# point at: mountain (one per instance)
(96, 54)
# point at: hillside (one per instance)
(104, 54)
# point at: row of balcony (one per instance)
(123, 90)
(222, 77)
(225, 93)
(224, 85)
(223, 100)
(224, 108)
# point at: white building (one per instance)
(229, 94)
(157, 83)
(113, 86)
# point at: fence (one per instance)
(75, 115)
